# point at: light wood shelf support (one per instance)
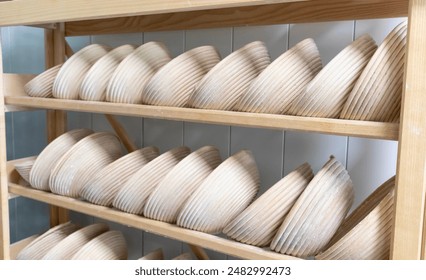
(106, 17)
(68, 50)
(55, 46)
(4, 195)
(411, 166)
(122, 134)
(424, 238)
(157, 15)
(366, 129)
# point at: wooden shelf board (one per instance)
(169, 15)
(17, 100)
(204, 240)
(365, 129)
(46, 11)
(16, 247)
(294, 12)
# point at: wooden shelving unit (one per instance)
(73, 18)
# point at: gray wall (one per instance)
(370, 162)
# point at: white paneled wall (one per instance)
(23, 52)
(370, 162)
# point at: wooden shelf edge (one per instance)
(150, 15)
(282, 13)
(388, 131)
(201, 239)
(16, 247)
(34, 11)
(17, 100)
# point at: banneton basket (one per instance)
(274, 90)
(24, 167)
(366, 233)
(135, 71)
(45, 242)
(68, 81)
(258, 224)
(41, 85)
(94, 85)
(326, 94)
(110, 245)
(51, 155)
(86, 158)
(224, 194)
(317, 213)
(168, 197)
(377, 93)
(221, 88)
(133, 195)
(154, 255)
(173, 84)
(105, 185)
(184, 256)
(71, 244)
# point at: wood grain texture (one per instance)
(378, 130)
(298, 12)
(34, 11)
(4, 201)
(411, 176)
(424, 239)
(208, 241)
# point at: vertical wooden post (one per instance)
(424, 237)
(56, 120)
(4, 200)
(411, 177)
